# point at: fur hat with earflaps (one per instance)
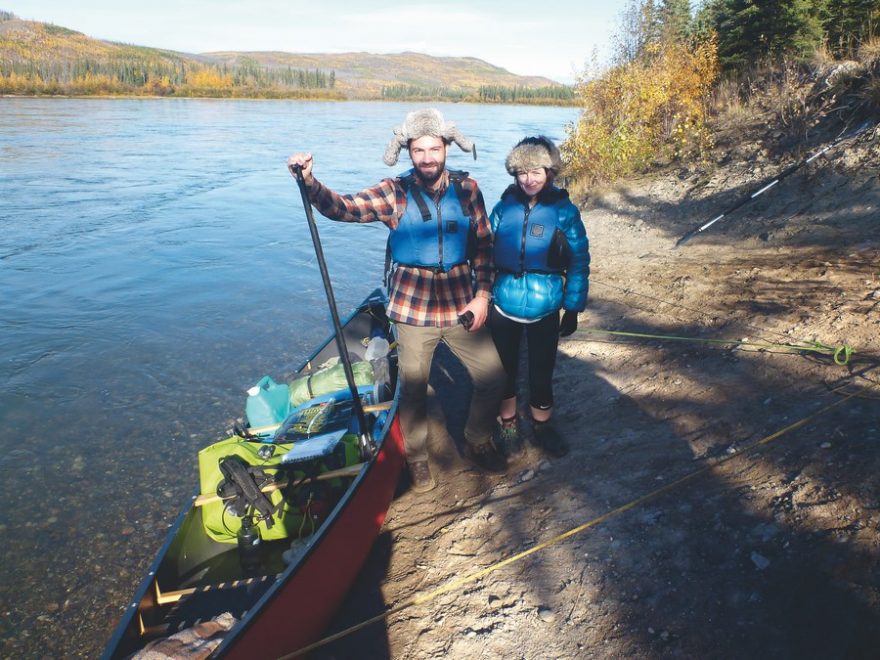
(419, 123)
(532, 153)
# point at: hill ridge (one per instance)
(56, 57)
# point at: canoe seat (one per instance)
(190, 606)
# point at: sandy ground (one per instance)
(725, 498)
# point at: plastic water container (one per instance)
(378, 347)
(268, 403)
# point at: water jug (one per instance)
(268, 403)
(377, 348)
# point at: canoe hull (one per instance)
(299, 610)
(282, 607)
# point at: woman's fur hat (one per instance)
(419, 123)
(531, 153)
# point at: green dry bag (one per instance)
(328, 379)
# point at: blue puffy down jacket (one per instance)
(542, 284)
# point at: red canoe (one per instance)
(280, 604)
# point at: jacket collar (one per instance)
(549, 195)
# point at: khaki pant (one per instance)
(477, 353)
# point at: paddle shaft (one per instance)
(366, 437)
(791, 169)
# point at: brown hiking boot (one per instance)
(420, 477)
(486, 457)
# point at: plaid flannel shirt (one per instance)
(418, 296)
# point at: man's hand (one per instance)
(479, 307)
(304, 161)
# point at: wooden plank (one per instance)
(168, 597)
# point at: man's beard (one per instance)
(431, 179)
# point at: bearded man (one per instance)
(440, 248)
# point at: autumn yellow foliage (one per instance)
(652, 107)
(209, 79)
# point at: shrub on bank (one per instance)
(653, 106)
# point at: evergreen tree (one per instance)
(750, 31)
(849, 23)
(706, 19)
(647, 24)
(675, 19)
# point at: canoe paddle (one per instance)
(365, 438)
(767, 186)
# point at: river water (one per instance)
(155, 262)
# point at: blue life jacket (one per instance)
(433, 234)
(530, 240)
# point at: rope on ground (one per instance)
(703, 313)
(858, 395)
(421, 598)
(841, 354)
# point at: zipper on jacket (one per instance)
(440, 235)
(522, 247)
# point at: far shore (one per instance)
(412, 99)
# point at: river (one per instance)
(155, 262)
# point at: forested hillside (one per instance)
(39, 58)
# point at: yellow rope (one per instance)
(841, 354)
(421, 598)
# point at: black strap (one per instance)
(457, 176)
(408, 185)
(419, 196)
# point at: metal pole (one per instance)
(791, 169)
(368, 446)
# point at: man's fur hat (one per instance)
(419, 123)
(532, 153)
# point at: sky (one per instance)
(526, 37)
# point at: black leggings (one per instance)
(542, 338)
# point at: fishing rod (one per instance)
(782, 175)
(367, 445)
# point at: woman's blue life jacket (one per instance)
(431, 234)
(542, 256)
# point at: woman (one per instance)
(543, 264)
